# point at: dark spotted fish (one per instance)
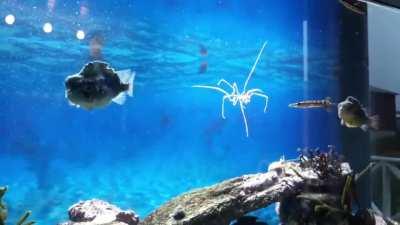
(97, 85)
(310, 104)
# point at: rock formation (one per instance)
(99, 212)
(316, 189)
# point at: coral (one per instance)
(3, 208)
(325, 164)
(23, 220)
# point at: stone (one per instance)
(96, 212)
(128, 217)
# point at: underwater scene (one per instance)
(137, 102)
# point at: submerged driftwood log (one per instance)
(222, 203)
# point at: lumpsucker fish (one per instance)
(97, 85)
(309, 104)
(353, 115)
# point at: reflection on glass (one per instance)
(9, 19)
(47, 27)
(80, 34)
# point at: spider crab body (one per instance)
(235, 97)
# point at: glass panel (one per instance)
(137, 102)
(383, 51)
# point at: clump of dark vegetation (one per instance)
(23, 220)
(327, 164)
(330, 198)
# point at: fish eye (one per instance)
(352, 99)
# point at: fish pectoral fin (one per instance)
(120, 99)
(342, 122)
(124, 75)
(374, 122)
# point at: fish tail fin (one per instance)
(131, 83)
(120, 99)
(374, 122)
(127, 77)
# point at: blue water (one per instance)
(169, 138)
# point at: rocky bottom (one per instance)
(316, 189)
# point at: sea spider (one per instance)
(236, 97)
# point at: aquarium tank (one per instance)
(211, 112)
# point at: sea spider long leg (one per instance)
(223, 106)
(225, 82)
(260, 93)
(213, 88)
(266, 100)
(244, 118)
(254, 67)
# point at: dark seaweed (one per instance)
(326, 164)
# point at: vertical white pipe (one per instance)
(305, 79)
(305, 51)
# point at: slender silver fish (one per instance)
(309, 104)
